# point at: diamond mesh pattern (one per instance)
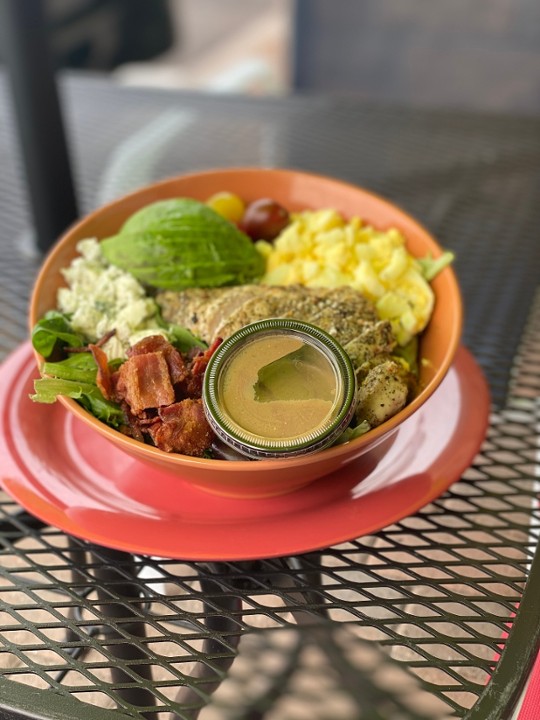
(437, 591)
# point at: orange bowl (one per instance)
(296, 191)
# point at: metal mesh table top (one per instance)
(437, 592)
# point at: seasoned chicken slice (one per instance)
(218, 312)
(257, 308)
(340, 323)
(189, 308)
(274, 302)
(382, 393)
(373, 340)
(221, 308)
(344, 297)
(342, 312)
(202, 310)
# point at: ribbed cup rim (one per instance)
(255, 446)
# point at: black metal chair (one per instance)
(478, 56)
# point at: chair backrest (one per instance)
(481, 54)
(102, 34)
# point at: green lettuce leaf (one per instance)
(53, 328)
(75, 377)
(182, 338)
(47, 390)
(409, 353)
(102, 409)
(430, 267)
(351, 433)
(80, 367)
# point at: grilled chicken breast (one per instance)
(218, 312)
(342, 312)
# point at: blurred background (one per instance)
(476, 54)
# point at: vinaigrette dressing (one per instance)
(278, 388)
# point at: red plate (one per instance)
(66, 474)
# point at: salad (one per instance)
(143, 311)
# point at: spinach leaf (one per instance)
(53, 328)
(183, 339)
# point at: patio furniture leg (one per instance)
(25, 46)
(226, 625)
(117, 595)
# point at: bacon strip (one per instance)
(144, 382)
(192, 386)
(157, 343)
(103, 378)
(201, 361)
(161, 395)
(184, 428)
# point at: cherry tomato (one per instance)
(264, 219)
(228, 205)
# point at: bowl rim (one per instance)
(371, 438)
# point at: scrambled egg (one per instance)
(101, 297)
(321, 249)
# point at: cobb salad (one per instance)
(142, 312)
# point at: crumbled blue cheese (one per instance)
(100, 297)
